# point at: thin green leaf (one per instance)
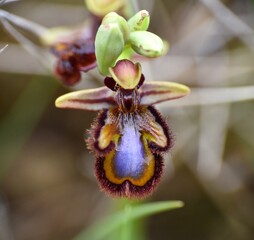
(106, 226)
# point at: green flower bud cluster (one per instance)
(119, 39)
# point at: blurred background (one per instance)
(47, 187)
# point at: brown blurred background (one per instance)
(47, 187)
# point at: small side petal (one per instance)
(156, 92)
(155, 130)
(90, 99)
(104, 134)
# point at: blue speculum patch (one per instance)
(130, 159)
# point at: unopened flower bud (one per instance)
(146, 44)
(109, 44)
(122, 23)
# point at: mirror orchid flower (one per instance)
(75, 51)
(73, 58)
(129, 136)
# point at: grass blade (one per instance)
(106, 226)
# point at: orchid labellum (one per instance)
(129, 136)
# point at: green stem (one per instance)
(127, 224)
(103, 228)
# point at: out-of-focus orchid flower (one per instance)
(72, 46)
(129, 136)
(75, 51)
(73, 58)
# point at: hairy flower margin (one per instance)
(129, 136)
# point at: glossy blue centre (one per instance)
(130, 157)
